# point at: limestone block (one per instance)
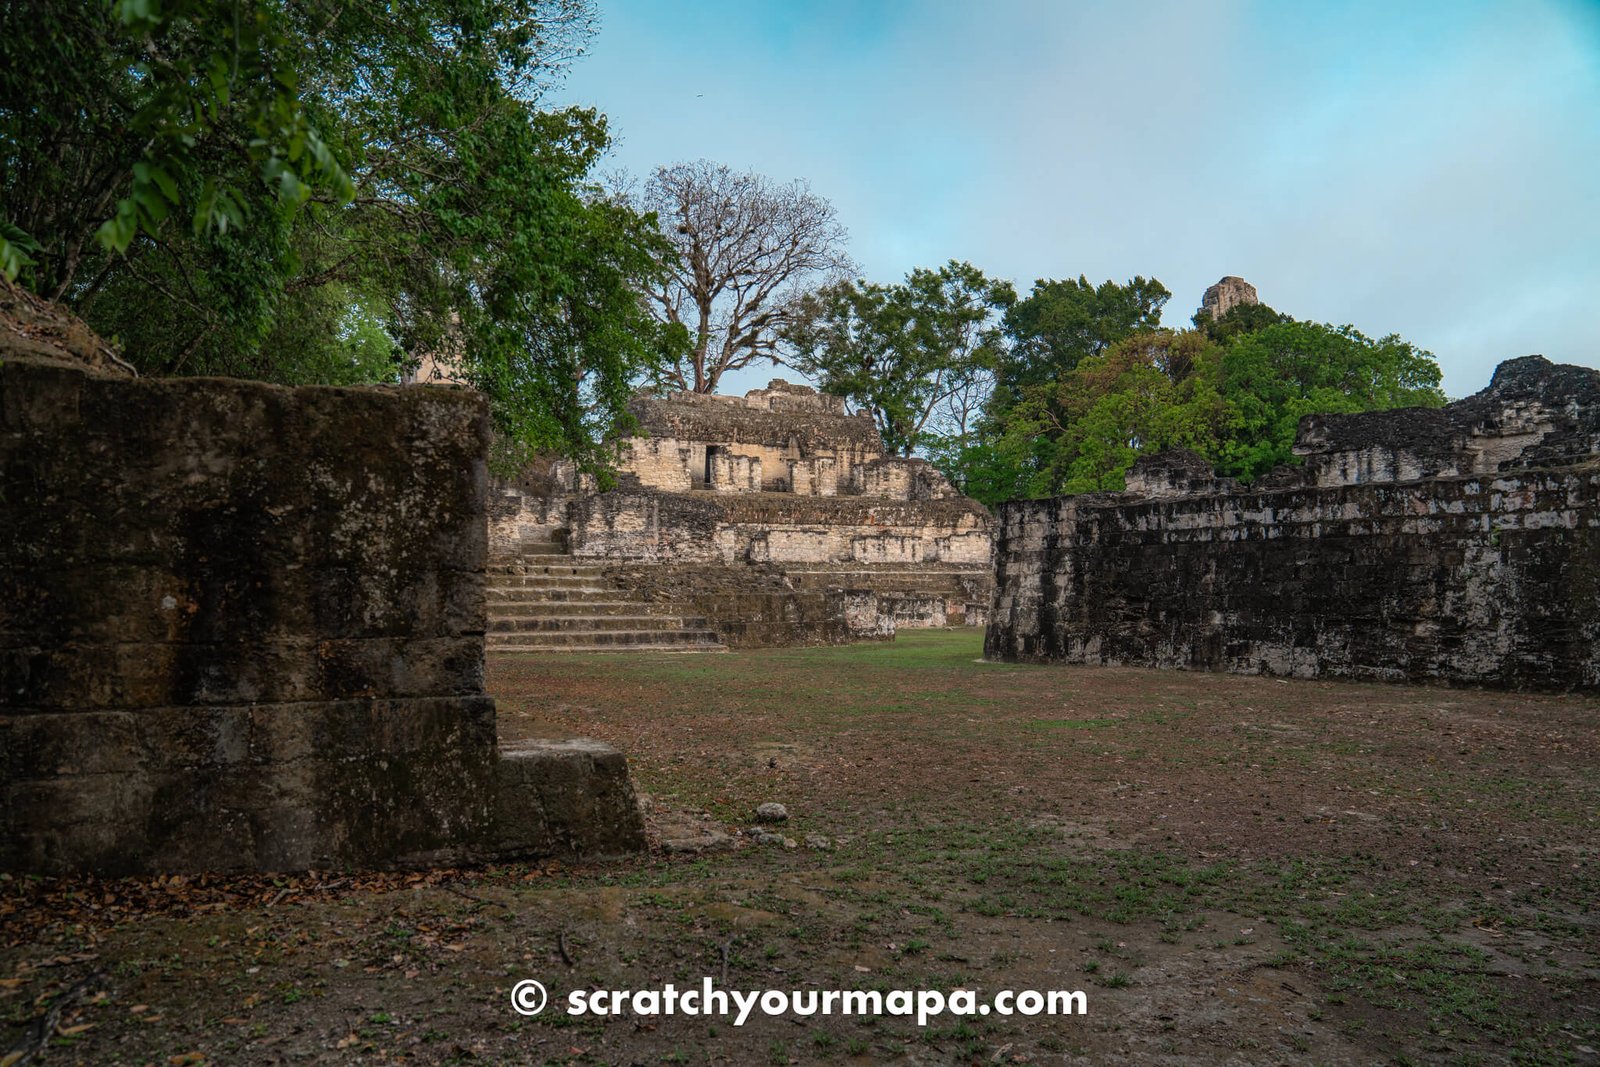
(571, 797)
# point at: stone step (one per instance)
(538, 607)
(590, 623)
(627, 650)
(856, 565)
(881, 575)
(530, 569)
(545, 579)
(611, 640)
(534, 591)
(563, 596)
(540, 548)
(542, 582)
(884, 587)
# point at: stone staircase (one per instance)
(543, 600)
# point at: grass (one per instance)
(1369, 872)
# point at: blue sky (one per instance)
(1425, 168)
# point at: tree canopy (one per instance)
(312, 191)
(1238, 403)
(1063, 322)
(919, 356)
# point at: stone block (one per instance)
(571, 797)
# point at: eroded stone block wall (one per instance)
(241, 626)
(746, 487)
(1488, 578)
(765, 528)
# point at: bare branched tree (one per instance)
(747, 251)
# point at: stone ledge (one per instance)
(568, 797)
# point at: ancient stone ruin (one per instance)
(241, 628)
(772, 518)
(1226, 295)
(1457, 545)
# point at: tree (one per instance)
(746, 250)
(1272, 377)
(444, 211)
(918, 356)
(1154, 390)
(127, 113)
(1239, 319)
(1239, 405)
(1063, 322)
(1012, 451)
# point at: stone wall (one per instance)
(775, 528)
(1487, 578)
(783, 430)
(757, 607)
(241, 627)
(1229, 293)
(779, 478)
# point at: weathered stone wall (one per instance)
(1488, 579)
(778, 478)
(663, 463)
(783, 430)
(758, 607)
(241, 627)
(776, 528)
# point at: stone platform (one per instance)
(242, 628)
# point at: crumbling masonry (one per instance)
(772, 518)
(1457, 545)
(241, 628)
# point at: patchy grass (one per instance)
(1233, 869)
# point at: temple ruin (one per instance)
(772, 518)
(1455, 545)
(1229, 292)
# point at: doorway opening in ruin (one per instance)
(711, 453)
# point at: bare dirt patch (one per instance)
(1233, 869)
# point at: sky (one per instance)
(1424, 168)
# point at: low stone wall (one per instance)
(757, 606)
(776, 528)
(1491, 580)
(241, 627)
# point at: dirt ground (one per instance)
(1232, 870)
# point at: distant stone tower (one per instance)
(1226, 295)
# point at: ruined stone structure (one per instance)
(1456, 545)
(241, 628)
(1226, 295)
(774, 517)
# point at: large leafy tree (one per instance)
(1277, 374)
(747, 249)
(918, 356)
(1154, 390)
(306, 190)
(1047, 335)
(1063, 322)
(1238, 403)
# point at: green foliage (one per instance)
(1010, 451)
(1153, 390)
(918, 356)
(1237, 401)
(1274, 376)
(1063, 322)
(1240, 319)
(312, 191)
